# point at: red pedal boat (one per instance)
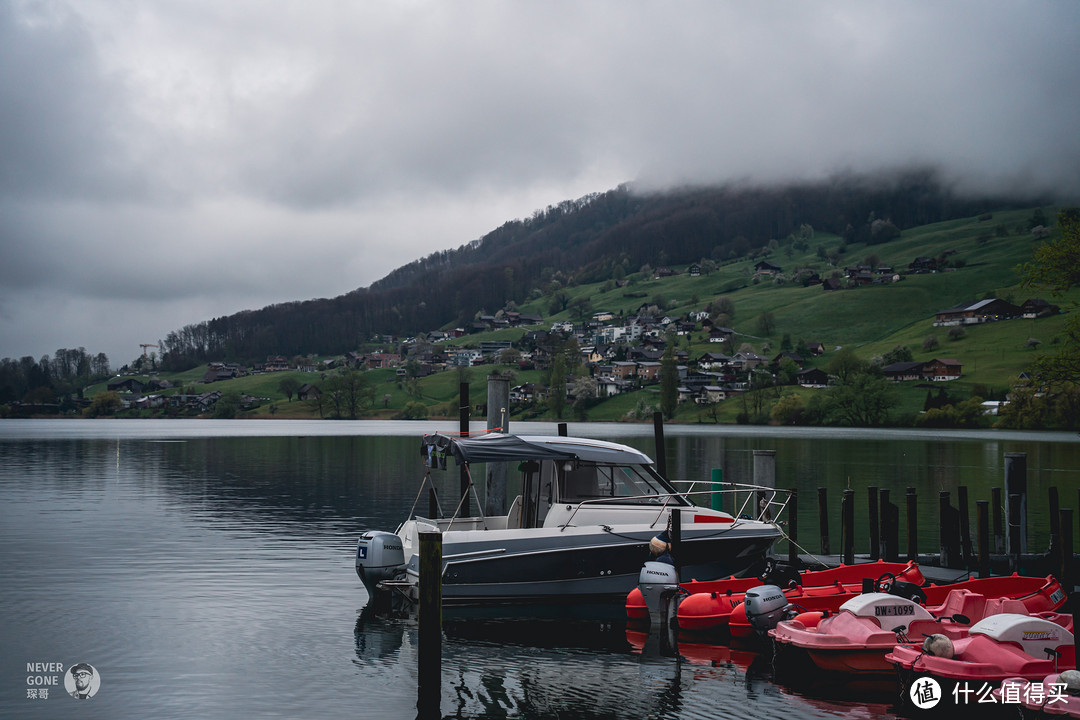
(1039, 595)
(710, 604)
(855, 640)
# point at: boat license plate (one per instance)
(1057, 596)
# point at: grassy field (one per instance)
(872, 320)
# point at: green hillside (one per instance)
(982, 254)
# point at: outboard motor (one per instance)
(781, 574)
(379, 556)
(766, 605)
(658, 581)
(907, 590)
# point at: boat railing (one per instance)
(761, 500)
(758, 502)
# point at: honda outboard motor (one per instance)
(657, 581)
(379, 556)
(766, 605)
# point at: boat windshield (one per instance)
(623, 484)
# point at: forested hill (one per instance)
(593, 238)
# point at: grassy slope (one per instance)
(872, 319)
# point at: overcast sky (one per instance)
(163, 163)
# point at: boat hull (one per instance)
(579, 565)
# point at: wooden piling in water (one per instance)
(661, 452)
(966, 552)
(890, 530)
(1013, 517)
(912, 524)
(872, 506)
(1016, 484)
(463, 428)
(429, 627)
(562, 429)
(995, 508)
(676, 540)
(823, 519)
(982, 528)
(793, 526)
(847, 526)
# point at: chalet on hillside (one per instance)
(129, 384)
(276, 363)
(923, 264)
(812, 377)
(766, 268)
(1037, 308)
(829, 284)
(941, 369)
(903, 371)
(936, 370)
(980, 311)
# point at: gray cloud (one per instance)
(163, 163)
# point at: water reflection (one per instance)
(214, 572)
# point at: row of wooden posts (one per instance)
(1000, 530)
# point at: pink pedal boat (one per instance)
(996, 648)
(855, 640)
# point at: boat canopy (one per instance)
(501, 447)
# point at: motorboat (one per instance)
(711, 610)
(855, 639)
(1038, 595)
(578, 530)
(996, 648)
(726, 593)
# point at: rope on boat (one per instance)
(800, 547)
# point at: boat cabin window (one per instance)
(624, 484)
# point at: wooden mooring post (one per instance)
(1016, 484)
(661, 451)
(949, 551)
(429, 627)
(966, 552)
(872, 506)
(463, 428)
(982, 528)
(890, 527)
(1013, 517)
(847, 526)
(996, 510)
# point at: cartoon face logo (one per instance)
(82, 681)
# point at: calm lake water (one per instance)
(205, 569)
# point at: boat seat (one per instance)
(964, 602)
(513, 517)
